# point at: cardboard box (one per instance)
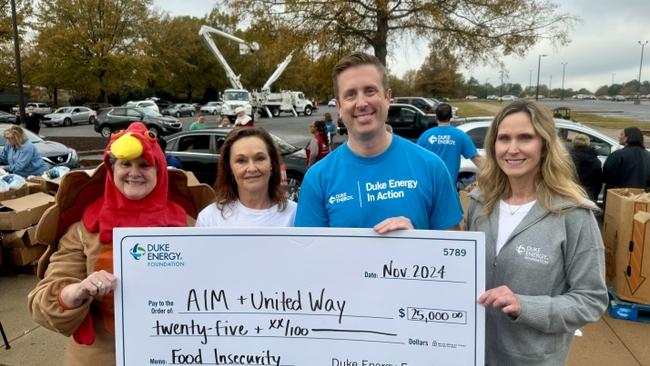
(47, 185)
(633, 284)
(19, 238)
(34, 187)
(25, 255)
(621, 206)
(23, 212)
(17, 193)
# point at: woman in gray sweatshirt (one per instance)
(545, 258)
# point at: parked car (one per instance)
(179, 110)
(162, 104)
(426, 105)
(95, 106)
(67, 116)
(603, 144)
(331, 103)
(114, 119)
(212, 107)
(620, 98)
(198, 151)
(149, 104)
(53, 153)
(7, 117)
(471, 97)
(405, 119)
(508, 98)
(40, 108)
(491, 97)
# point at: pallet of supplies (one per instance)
(622, 204)
(631, 282)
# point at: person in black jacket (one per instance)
(588, 166)
(628, 167)
(32, 120)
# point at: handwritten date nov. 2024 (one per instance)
(415, 271)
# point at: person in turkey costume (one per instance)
(75, 295)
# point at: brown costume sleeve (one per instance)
(68, 265)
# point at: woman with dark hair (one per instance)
(628, 167)
(545, 263)
(318, 146)
(248, 184)
(588, 166)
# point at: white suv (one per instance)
(603, 144)
(149, 104)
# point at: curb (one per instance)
(90, 152)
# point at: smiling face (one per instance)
(135, 179)
(363, 101)
(250, 164)
(10, 138)
(518, 148)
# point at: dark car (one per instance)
(179, 110)
(405, 119)
(114, 119)
(53, 153)
(198, 151)
(7, 117)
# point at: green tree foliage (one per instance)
(7, 55)
(439, 74)
(601, 91)
(93, 46)
(482, 29)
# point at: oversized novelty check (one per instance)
(299, 297)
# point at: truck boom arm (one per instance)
(276, 74)
(244, 47)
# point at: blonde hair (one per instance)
(556, 175)
(18, 133)
(581, 140)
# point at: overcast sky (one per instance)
(604, 45)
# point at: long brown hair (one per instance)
(556, 175)
(225, 185)
(321, 130)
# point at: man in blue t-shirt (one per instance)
(380, 180)
(448, 142)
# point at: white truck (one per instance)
(265, 102)
(40, 108)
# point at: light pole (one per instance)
(550, 84)
(501, 87)
(19, 74)
(486, 90)
(638, 95)
(563, 70)
(539, 63)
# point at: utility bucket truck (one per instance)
(267, 103)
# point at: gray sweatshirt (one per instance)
(555, 264)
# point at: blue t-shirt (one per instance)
(346, 190)
(449, 143)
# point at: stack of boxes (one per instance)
(20, 211)
(626, 233)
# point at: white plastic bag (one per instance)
(56, 172)
(4, 186)
(14, 181)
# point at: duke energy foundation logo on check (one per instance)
(157, 255)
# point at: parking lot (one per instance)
(627, 109)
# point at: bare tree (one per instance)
(482, 29)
